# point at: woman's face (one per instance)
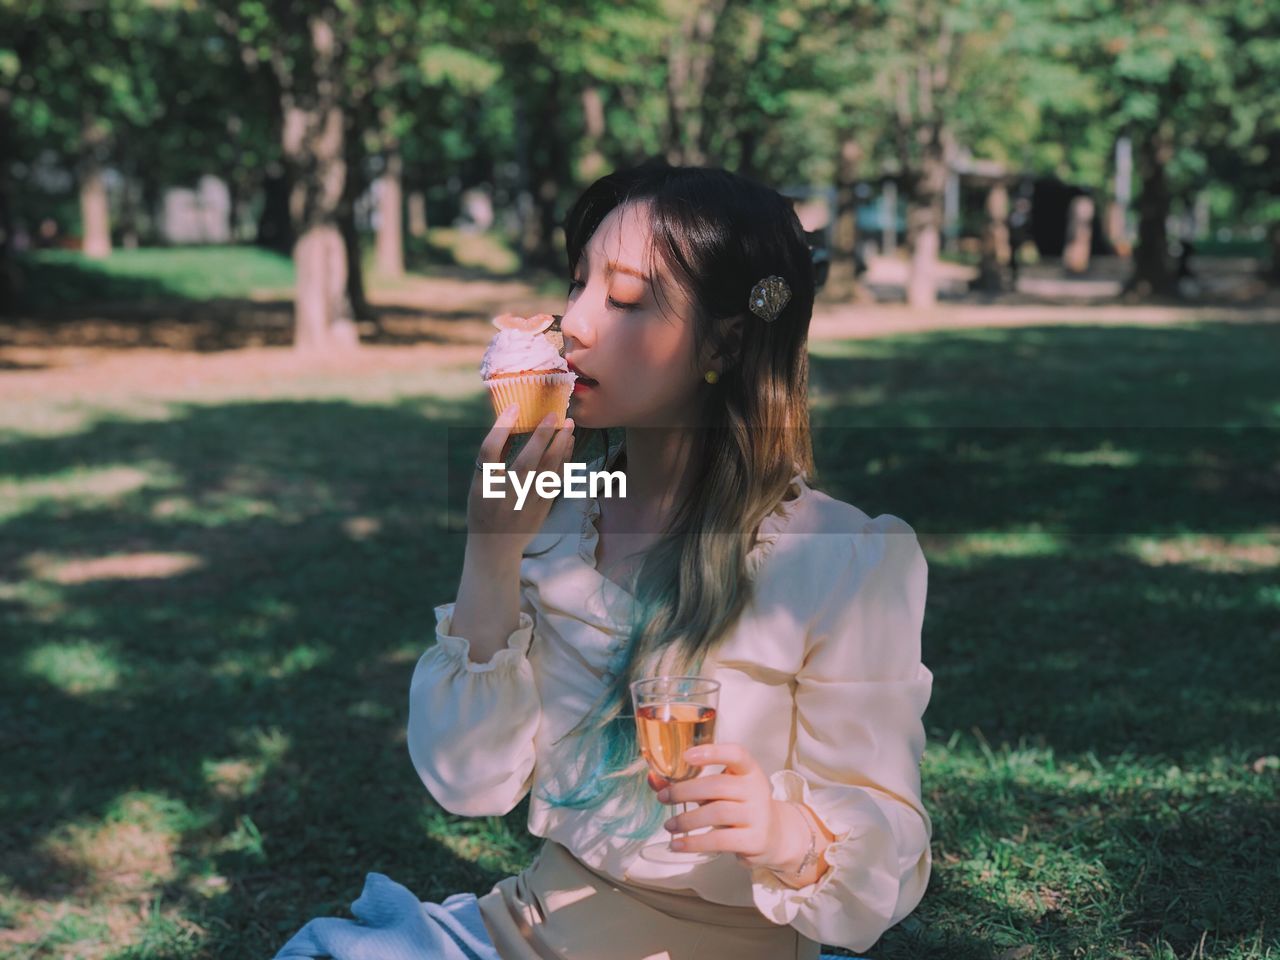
(638, 350)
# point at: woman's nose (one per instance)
(575, 325)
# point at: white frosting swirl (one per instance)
(512, 351)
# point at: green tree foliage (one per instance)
(301, 107)
(1169, 76)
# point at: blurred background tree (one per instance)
(331, 120)
(1170, 82)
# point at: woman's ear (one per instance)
(728, 341)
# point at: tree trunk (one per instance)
(843, 280)
(151, 192)
(128, 206)
(8, 266)
(889, 218)
(231, 179)
(234, 179)
(1151, 273)
(922, 286)
(1079, 240)
(526, 224)
(95, 216)
(1273, 235)
(677, 73)
(995, 240)
(417, 214)
(924, 223)
(592, 165)
(690, 53)
(553, 171)
(355, 295)
(275, 227)
(313, 146)
(321, 318)
(352, 188)
(748, 140)
(390, 243)
(544, 166)
(1115, 226)
(1118, 217)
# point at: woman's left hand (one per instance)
(738, 803)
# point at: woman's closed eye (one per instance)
(576, 285)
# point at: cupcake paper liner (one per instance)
(537, 394)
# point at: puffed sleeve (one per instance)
(472, 725)
(859, 738)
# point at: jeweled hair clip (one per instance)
(768, 297)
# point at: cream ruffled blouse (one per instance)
(821, 679)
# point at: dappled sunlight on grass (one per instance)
(114, 857)
(238, 777)
(1104, 456)
(76, 668)
(230, 638)
(498, 844)
(962, 549)
(853, 397)
(1016, 823)
(264, 666)
(62, 418)
(1210, 554)
(371, 710)
(92, 885)
(362, 528)
(105, 485)
(119, 566)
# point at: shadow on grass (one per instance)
(1067, 430)
(263, 692)
(214, 326)
(215, 299)
(252, 700)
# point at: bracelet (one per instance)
(810, 855)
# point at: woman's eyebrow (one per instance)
(613, 267)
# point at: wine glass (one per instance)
(672, 715)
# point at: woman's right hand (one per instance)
(494, 525)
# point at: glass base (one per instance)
(662, 853)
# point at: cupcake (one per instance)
(523, 365)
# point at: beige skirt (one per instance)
(560, 909)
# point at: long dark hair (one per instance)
(717, 234)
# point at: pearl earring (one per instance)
(711, 376)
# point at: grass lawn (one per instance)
(211, 609)
(53, 279)
(58, 278)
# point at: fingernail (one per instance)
(677, 844)
(511, 408)
(669, 825)
(693, 754)
(664, 795)
(568, 424)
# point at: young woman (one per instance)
(687, 321)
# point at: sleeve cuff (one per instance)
(775, 899)
(458, 649)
